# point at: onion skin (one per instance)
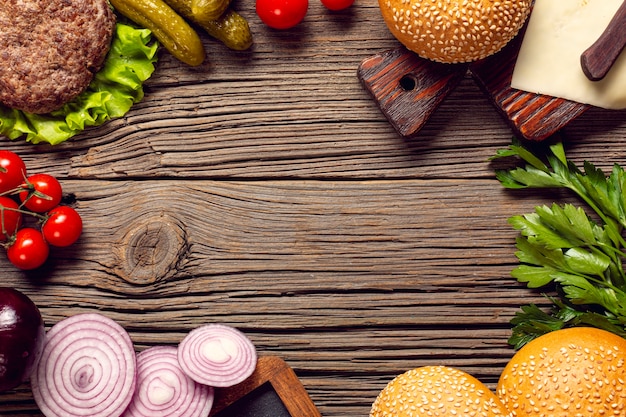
(88, 368)
(22, 335)
(217, 355)
(164, 390)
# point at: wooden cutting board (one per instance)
(408, 89)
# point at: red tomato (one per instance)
(281, 14)
(12, 171)
(10, 218)
(43, 193)
(337, 4)
(30, 250)
(63, 226)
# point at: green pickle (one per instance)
(208, 10)
(171, 29)
(230, 27)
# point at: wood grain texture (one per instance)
(408, 89)
(533, 116)
(597, 60)
(266, 190)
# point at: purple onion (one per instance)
(87, 368)
(164, 390)
(22, 335)
(217, 355)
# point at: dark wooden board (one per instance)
(407, 88)
(531, 116)
(272, 390)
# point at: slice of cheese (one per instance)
(558, 32)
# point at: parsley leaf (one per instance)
(562, 246)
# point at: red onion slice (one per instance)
(87, 368)
(217, 355)
(164, 390)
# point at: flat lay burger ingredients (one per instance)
(111, 93)
(569, 372)
(42, 192)
(12, 171)
(22, 336)
(217, 355)
(164, 390)
(87, 368)
(437, 391)
(62, 227)
(562, 248)
(453, 31)
(82, 29)
(281, 14)
(28, 249)
(174, 33)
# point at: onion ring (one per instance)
(217, 355)
(164, 390)
(87, 368)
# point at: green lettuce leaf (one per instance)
(114, 89)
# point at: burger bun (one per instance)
(437, 391)
(454, 31)
(577, 371)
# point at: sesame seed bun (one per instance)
(573, 372)
(437, 391)
(454, 31)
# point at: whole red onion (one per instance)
(22, 336)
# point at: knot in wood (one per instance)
(151, 250)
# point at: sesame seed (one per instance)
(488, 25)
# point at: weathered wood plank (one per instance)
(349, 282)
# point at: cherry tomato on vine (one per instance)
(29, 250)
(12, 171)
(337, 4)
(63, 226)
(42, 193)
(10, 218)
(281, 14)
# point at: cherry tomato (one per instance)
(42, 193)
(337, 4)
(63, 226)
(281, 14)
(10, 218)
(12, 171)
(30, 250)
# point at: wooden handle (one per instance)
(598, 59)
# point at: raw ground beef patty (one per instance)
(50, 50)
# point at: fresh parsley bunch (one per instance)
(564, 247)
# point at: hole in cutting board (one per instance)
(408, 82)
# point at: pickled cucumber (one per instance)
(208, 10)
(230, 28)
(174, 33)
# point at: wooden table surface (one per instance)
(265, 190)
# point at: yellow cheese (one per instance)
(558, 32)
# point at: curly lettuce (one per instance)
(114, 89)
